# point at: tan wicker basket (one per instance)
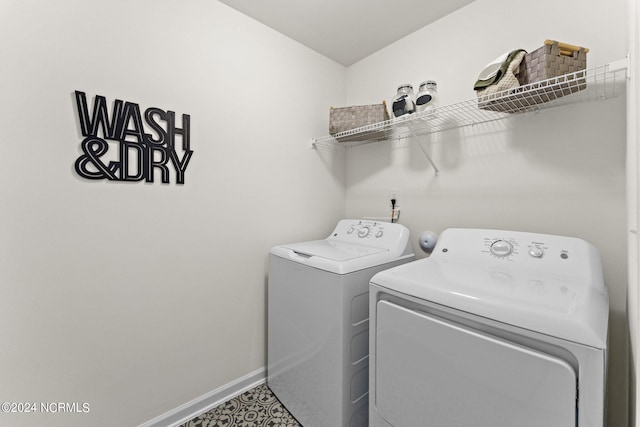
(347, 118)
(553, 59)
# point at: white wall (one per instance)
(133, 297)
(560, 171)
(633, 193)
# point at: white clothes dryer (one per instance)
(494, 329)
(318, 320)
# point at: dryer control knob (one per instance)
(501, 248)
(363, 232)
(536, 252)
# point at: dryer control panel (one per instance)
(504, 247)
(510, 245)
(560, 254)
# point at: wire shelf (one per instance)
(598, 83)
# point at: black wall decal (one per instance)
(139, 155)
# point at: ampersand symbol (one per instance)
(93, 148)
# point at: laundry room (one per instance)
(156, 152)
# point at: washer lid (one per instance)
(335, 256)
(352, 246)
(332, 250)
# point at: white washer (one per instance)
(495, 328)
(318, 319)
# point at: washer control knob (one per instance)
(536, 252)
(379, 233)
(363, 232)
(501, 248)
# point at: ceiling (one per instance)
(346, 30)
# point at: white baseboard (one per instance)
(208, 401)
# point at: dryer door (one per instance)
(430, 372)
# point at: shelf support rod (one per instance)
(436, 171)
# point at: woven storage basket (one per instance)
(347, 118)
(553, 59)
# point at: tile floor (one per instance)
(257, 407)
